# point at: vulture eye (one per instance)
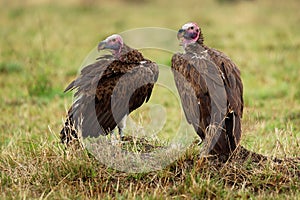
(113, 40)
(192, 27)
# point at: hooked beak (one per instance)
(180, 34)
(101, 45)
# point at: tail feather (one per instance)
(68, 132)
(230, 137)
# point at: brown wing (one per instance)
(127, 92)
(232, 80)
(193, 93)
(234, 89)
(83, 107)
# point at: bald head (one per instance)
(113, 43)
(189, 33)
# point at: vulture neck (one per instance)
(195, 48)
(130, 55)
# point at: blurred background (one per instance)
(43, 43)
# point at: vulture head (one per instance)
(189, 33)
(114, 43)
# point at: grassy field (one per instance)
(42, 46)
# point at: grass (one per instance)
(43, 44)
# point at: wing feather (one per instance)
(193, 98)
(232, 80)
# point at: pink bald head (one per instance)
(189, 33)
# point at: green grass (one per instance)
(42, 47)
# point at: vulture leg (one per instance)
(121, 126)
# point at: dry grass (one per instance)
(50, 171)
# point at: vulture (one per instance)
(211, 91)
(108, 90)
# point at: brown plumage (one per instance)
(210, 89)
(108, 90)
